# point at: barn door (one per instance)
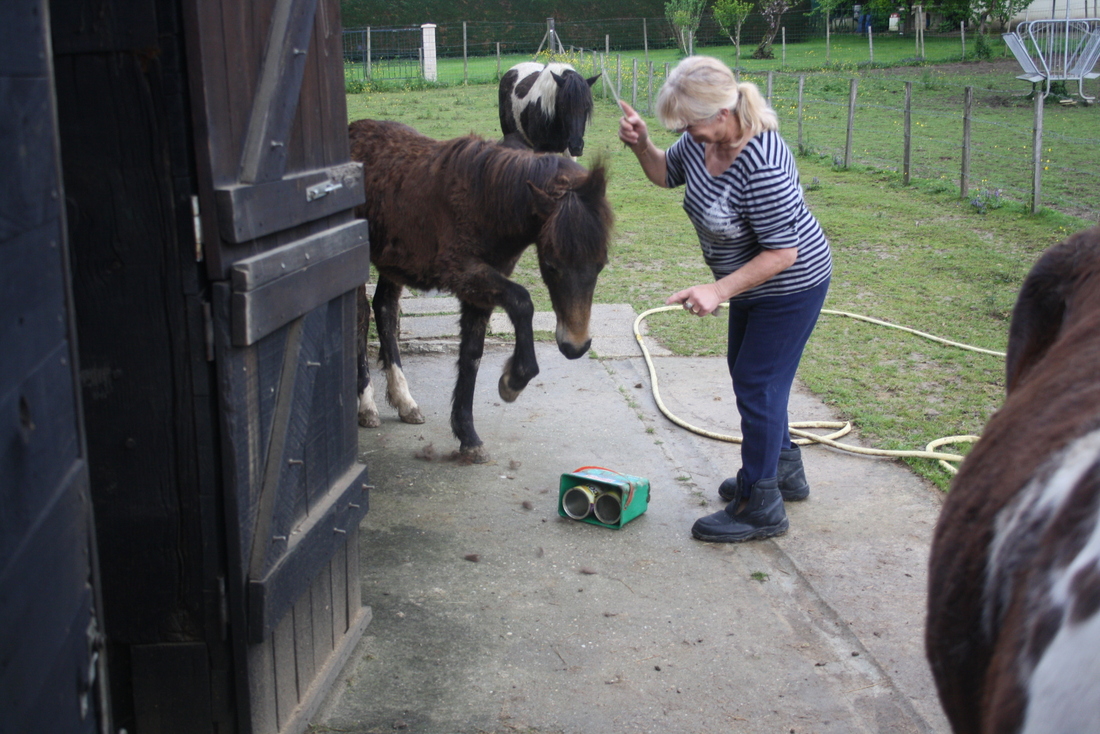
(51, 668)
(286, 255)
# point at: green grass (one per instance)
(919, 256)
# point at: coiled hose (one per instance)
(840, 428)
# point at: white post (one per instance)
(428, 32)
(784, 29)
(870, 45)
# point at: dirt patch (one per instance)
(958, 69)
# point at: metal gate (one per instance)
(384, 53)
(285, 253)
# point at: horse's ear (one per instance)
(593, 79)
(558, 78)
(1046, 295)
(595, 185)
(545, 202)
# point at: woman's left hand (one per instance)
(699, 299)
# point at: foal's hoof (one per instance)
(413, 416)
(369, 420)
(474, 455)
(507, 394)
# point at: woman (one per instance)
(770, 260)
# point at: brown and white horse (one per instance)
(455, 216)
(1013, 634)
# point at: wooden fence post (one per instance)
(771, 75)
(917, 27)
(968, 108)
(801, 87)
(1037, 156)
(634, 86)
(851, 121)
(645, 39)
(368, 53)
(465, 57)
(962, 34)
(784, 37)
(498, 59)
(604, 81)
(907, 155)
(619, 76)
(870, 45)
(649, 90)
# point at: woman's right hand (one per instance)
(632, 128)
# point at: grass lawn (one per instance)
(917, 256)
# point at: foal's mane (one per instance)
(510, 183)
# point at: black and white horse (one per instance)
(545, 107)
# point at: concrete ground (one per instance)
(493, 614)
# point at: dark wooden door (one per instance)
(285, 255)
(50, 651)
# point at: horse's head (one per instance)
(574, 107)
(572, 247)
(1059, 293)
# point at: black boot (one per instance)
(791, 475)
(759, 513)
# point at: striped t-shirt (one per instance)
(755, 204)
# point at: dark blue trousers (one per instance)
(766, 339)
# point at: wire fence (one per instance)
(987, 145)
(999, 146)
(392, 53)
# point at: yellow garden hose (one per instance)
(841, 428)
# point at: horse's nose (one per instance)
(572, 351)
(576, 150)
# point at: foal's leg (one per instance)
(472, 326)
(368, 410)
(386, 315)
(522, 366)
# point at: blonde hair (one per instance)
(700, 86)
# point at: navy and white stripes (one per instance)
(755, 204)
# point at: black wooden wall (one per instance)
(122, 390)
(49, 633)
(150, 408)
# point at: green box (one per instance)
(613, 499)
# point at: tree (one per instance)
(772, 10)
(684, 15)
(826, 8)
(730, 16)
(1001, 11)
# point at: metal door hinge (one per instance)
(196, 220)
(208, 330)
(223, 608)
